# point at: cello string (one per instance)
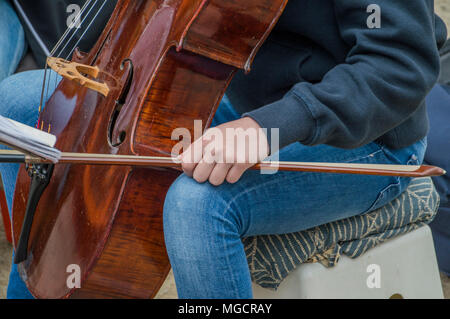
(86, 16)
(56, 84)
(55, 48)
(65, 35)
(48, 85)
(42, 97)
(88, 27)
(76, 30)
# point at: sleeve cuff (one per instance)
(291, 116)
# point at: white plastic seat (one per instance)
(403, 267)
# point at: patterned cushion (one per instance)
(272, 257)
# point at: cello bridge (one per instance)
(74, 71)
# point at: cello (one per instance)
(157, 66)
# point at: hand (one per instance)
(225, 152)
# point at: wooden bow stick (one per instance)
(153, 161)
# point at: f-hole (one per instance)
(119, 104)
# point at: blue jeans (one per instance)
(12, 49)
(20, 94)
(20, 97)
(12, 40)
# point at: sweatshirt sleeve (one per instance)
(385, 77)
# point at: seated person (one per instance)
(338, 89)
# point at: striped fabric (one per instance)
(272, 257)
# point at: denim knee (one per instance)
(194, 213)
(20, 96)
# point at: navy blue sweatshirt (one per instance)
(325, 77)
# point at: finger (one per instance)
(203, 170)
(235, 173)
(188, 168)
(191, 157)
(219, 173)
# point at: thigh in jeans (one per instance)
(20, 96)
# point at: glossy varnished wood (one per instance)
(174, 100)
(108, 219)
(135, 251)
(235, 43)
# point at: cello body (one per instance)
(166, 63)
